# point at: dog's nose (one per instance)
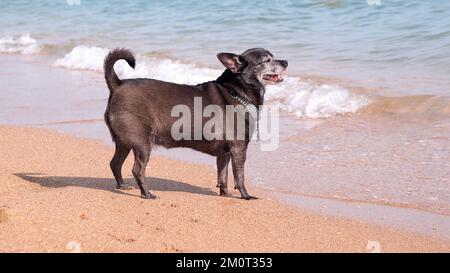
(284, 63)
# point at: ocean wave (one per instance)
(310, 100)
(23, 44)
(91, 58)
(83, 57)
(293, 95)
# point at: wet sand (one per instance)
(386, 167)
(58, 193)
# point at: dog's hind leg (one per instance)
(141, 157)
(222, 173)
(116, 163)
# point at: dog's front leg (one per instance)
(238, 156)
(222, 173)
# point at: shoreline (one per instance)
(58, 189)
(404, 216)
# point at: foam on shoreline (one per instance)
(23, 44)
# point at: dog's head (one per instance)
(255, 64)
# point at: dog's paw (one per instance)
(249, 197)
(148, 196)
(124, 186)
(224, 193)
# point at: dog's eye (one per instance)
(265, 61)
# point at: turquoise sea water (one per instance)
(402, 46)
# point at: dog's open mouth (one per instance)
(273, 77)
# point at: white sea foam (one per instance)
(294, 95)
(167, 70)
(84, 57)
(311, 100)
(91, 58)
(23, 44)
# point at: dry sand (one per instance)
(57, 192)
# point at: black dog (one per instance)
(138, 113)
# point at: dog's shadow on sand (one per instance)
(108, 184)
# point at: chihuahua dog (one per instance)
(138, 113)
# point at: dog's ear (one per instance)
(231, 61)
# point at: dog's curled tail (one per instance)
(113, 56)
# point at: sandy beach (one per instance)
(58, 195)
